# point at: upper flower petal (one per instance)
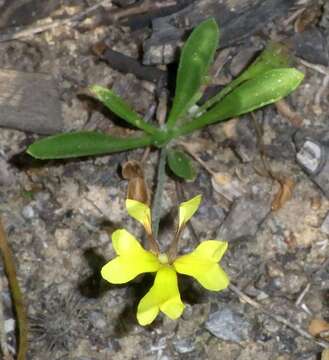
(132, 260)
(202, 264)
(163, 295)
(140, 212)
(187, 209)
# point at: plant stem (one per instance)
(17, 296)
(161, 179)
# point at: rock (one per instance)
(245, 143)
(244, 218)
(238, 21)
(29, 102)
(183, 346)
(28, 212)
(242, 60)
(229, 325)
(312, 45)
(312, 155)
(7, 176)
(9, 325)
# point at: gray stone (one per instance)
(246, 215)
(183, 346)
(229, 325)
(242, 59)
(7, 176)
(312, 156)
(28, 212)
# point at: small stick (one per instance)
(187, 147)
(9, 265)
(146, 6)
(321, 91)
(302, 295)
(319, 68)
(32, 30)
(278, 318)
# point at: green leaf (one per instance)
(181, 165)
(196, 58)
(274, 56)
(85, 143)
(117, 105)
(261, 90)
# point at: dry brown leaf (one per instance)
(137, 187)
(317, 327)
(284, 194)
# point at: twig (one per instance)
(32, 30)
(276, 317)
(161, 179)
(302, 295)
(146, 6)
(319, 94)
(189, 149)
(285, 110)
(319, 68)
(16, 294)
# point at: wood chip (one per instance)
(29, 102)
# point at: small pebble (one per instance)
(183, 346)
(28, 212)
(227, 324)
(9, 325)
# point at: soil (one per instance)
(59, 216)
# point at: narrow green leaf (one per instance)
(274, 56)
(117, 105)
(77, 144)
(196, 58)
(181, 165)
(261, 90)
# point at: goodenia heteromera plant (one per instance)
(265, 81)
(132, 260)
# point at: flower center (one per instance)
(163, 258)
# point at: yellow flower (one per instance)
(132, 260)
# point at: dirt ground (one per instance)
(59, 216)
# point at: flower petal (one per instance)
(140, 212)
(124, 243)
(187, 209)
(163, 295)
(202, 264)
(132, 260)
